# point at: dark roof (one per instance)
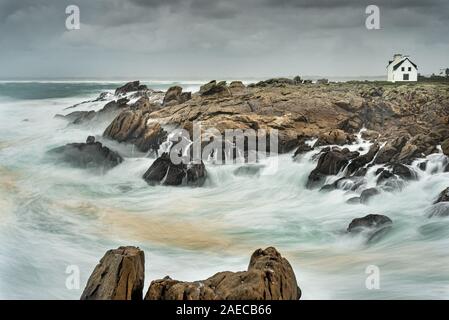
(397, 65)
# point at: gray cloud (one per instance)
(183, 38)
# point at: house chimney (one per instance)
(397, 57)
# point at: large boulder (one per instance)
(330, 163)
(87, 155)
(269, 277)
(164, 172)
(136, 128)
(130, 87)
(391, 150)
(118, 276)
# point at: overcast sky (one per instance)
(213, 39)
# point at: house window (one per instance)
(405, 77)
(402, 69)
(409, 68)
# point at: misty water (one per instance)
(53, 216)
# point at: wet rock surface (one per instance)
(87, 155)
(373, 225)
(164, 172)
(118, 276)
(269, 277)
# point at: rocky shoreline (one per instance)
(402, 124)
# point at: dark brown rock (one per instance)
(87, 155)
(130, 87)
(363, 160)
(329, 163)
(118, 276)
(136, 128)
(374, 225)
(163, 171)
(174, 95)
(214, 88)
(269, 277)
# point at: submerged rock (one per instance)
(369, 221)
(375, 226)
(443, 196)
(269, 277)
(118, 276)
(87, 155)
(248, 170)
(367, 194)
(107, 113)
(164, 172)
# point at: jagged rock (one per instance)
(367, 194)
(375, 225)
(213, 88)
(87, 155)
(130, 87)
(136, 128)
(163, 171)
(174, 95)
(443, 196)
(337, 136)
(269, 277)
(363, 160)
(118, 276)
(329, 163)
(236, 86)
(390, 150)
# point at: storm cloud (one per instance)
(217, 39)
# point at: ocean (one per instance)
(54, 218)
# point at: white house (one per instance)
(401, 68)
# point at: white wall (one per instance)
(398, 74)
